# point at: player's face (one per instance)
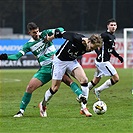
(112, 27)
(34, 33)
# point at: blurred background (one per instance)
(85, 16)
(75, 15)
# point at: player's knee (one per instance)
(30, 88)
(84, 80)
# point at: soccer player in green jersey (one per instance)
(44, 50)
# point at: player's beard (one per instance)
(36, 37)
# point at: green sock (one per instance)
(25, 100)
(75, 88)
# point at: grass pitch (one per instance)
(63, 109)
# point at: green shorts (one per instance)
(44, 74)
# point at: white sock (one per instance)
(47, 97)
(22, 111)
(85, 91)
(105, 85)
(90, 85)
(83, 106)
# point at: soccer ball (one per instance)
(99, 107)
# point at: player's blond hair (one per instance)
(96, 40)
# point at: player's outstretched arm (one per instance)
(11, 57)
(57, 34)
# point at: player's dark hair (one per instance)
(31, 26)
(111, 20)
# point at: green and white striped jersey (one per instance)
(42, 50)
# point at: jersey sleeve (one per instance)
(115, 53)
(22, 52)
(50, 32)
(15, 56)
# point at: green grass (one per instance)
(63, 109)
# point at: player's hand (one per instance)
(120, 58)
(3, 57)
(57, 34)
(48, 38)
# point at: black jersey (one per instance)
(108, 47)
(72, 47)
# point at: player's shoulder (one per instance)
(29, 43)
(104, 34)
(78, 34)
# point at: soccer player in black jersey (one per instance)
(66, 60)
(103, 65)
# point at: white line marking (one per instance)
(5, 80)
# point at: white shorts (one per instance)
(60, 67)
(104, 69)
